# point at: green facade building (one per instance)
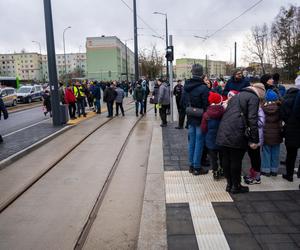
(106, 59)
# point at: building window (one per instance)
(31, 71)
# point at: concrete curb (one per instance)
(18, 155)
(153, 229)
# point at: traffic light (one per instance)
(170, 53)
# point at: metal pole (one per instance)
(126, 61)
(136, 55)
(234, 54)
(171, 84)
(52, 63)
(206, 64)
(167, 63)
(65, 48)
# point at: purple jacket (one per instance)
(261, 124)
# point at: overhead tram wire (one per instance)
(142, 20)
(225, 25)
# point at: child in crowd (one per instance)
(209, 126)
(272, 135)
(253, 176)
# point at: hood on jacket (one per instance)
(192, 83)
(271, 108)
(215, 111)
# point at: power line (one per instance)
(251, 7)
(142, 19)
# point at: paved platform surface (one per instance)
(201, 215)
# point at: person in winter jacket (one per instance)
(5, 114)
(163, 101)
(61, 93)
(119, 100)
(47, 103)
(177, 92)
(253, 176)
(155, 96)
(240, 116)
(289, 112)
(80, 98)
(272, 134)
(138, 96)
(96, 92)
(236, 82)
(279, 85)
(209, 126)
(109, 97)
(70, 99)
(195, 95)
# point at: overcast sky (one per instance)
(23, 21)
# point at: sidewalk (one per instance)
(201, 215)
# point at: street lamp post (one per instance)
(65, 48)
(41, 66)
(166, 16)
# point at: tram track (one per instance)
(53, 165)
(93, 213)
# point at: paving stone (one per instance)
(275, 219)
(284, 229)
(257, 196)
(296, 238)
(287, 206)
(277, 195)
(273, 238)
(253, 219)
(180, 242)
(295, 195)
(280, 246)
(244, 242)
(234, 226)
(244, 206)
(179, 220)
(260, 230)
(264, 206)
(171, 168)
(294, 217)
(226, 211)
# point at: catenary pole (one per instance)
(136, 55)
(52, 63)
(171, 82)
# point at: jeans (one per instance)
(98, 106)
(81, 106)
(270, 158)
(137, 103)
(196, 143)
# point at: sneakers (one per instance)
(178, 127)
(250, 180)
(239, 189)
(228, 187)
(287, 177)
(200, 171)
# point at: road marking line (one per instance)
(25, 127)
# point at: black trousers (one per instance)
(181, 118)
(110, 108)
(72, 109)
(119, 105)
(255, 158)
(232, 164)
(145, 105)
(163, 114)
(291, 155)
(215, 158)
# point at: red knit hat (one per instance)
(214, 98)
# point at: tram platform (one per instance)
(123, 183)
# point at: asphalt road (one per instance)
(22, 119)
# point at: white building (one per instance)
(34, 67)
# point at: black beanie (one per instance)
(265, 78)
(197, 70)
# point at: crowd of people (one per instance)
(227, 120)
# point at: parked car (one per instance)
(28, 93)
(9, 96)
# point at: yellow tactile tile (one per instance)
(212, 242)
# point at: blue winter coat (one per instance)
(232, 84)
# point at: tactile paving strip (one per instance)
(201, 191)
